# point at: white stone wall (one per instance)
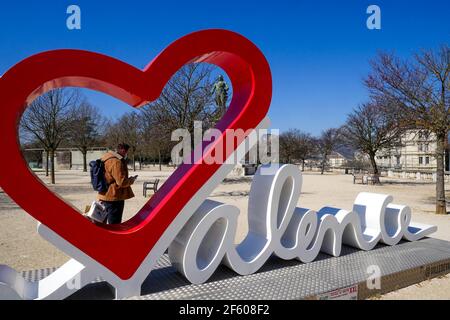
(77, 158)
(336, 162)
(66, 159)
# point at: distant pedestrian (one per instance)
(119, 184)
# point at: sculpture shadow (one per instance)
(406, 183)
(168, 278)
(94, 291)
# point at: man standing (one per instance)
(119, 184)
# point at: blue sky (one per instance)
(318, 50)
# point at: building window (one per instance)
(420, 146)
(426, 147)
(398, 160)
(420, 160)
(427, 160)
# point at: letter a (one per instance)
(374, 20)
(74, 20)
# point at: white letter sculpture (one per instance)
(277, 226)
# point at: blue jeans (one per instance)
(114, 210)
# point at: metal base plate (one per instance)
(327, 277)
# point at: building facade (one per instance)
(65, 158)
(415, 151)
(337, 160)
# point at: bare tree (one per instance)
(371, 128)
(111, 137)
(47, 120)
(186, 98)
(329, 140)
(420, 89)
(86, 123)
(288, 145)
(306, 147)
(157, 148)
(296, 145)
(156, 135)
(128, 129)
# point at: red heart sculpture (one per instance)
(122, 248)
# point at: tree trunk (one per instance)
(159, 158)
(303, 165)
(375, 172)
(52, 166)
(373, 163)
(46, 163)
(134, 162)
(84, 160)
(441, 207)
(140, 163)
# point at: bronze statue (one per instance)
(220, 88)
